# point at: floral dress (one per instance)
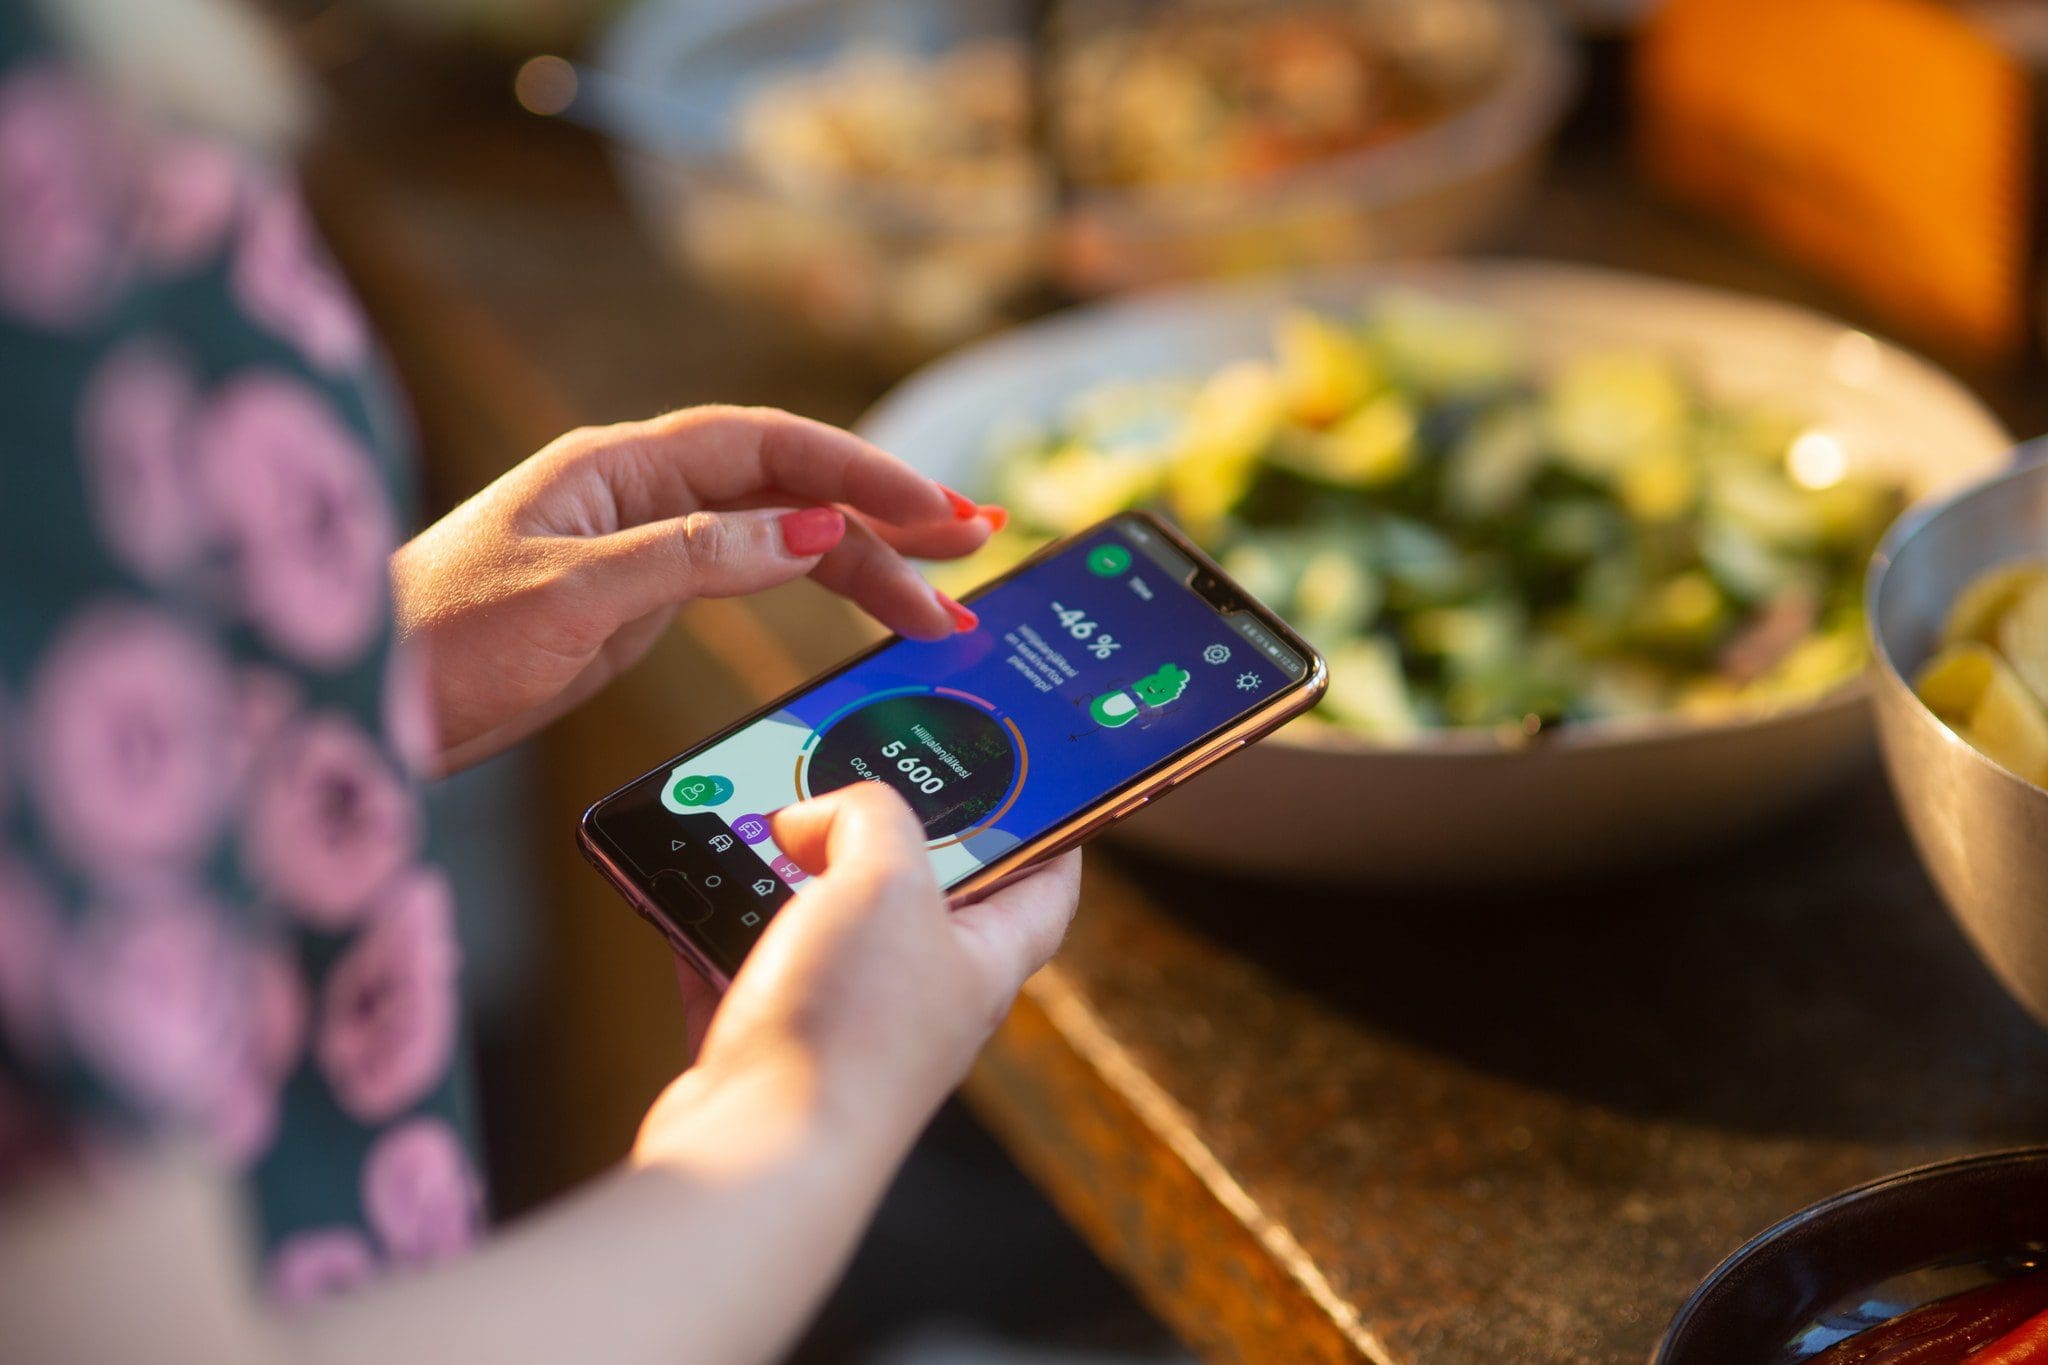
(217, 923)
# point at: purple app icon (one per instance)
(788, 869)
(751, 828)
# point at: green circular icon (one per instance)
(690, 790)
(1107, 561)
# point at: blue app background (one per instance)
(1076, 682)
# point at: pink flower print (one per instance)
(280, 994)
(66, 200)
(129, 730)
(409, 719)
(30, 938)
(135, 427)
(244, 1120)
(155, 993)
(329, 822)
(265, 702)
(284, 280)
(191, 187)
(319, 1263)
(306, 514)
(388, 1010)
(420, 1193)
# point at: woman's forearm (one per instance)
(714, 1244)
(751, 1181)
(750, 1192)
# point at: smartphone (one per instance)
(1107, 668)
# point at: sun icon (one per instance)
(1247, 682)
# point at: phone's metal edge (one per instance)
(1115, 805)
(1127, 801)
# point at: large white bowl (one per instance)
(1459, 807)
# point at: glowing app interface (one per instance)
(1087, 670)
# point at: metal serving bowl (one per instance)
(1981, 830)
(1864, 1256)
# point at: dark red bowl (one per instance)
(1864, 1255)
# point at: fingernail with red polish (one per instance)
(963, 619)
(996, 517)
(812, 530)
(963, 507)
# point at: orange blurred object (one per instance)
(1886, 144)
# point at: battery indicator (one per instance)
(1291, 662)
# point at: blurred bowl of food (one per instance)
(1958, 610)
(1584, 549)
(899, 175)
(1925, 1266)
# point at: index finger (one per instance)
(864, 829)
(718, 456)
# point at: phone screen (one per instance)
(1090, 668)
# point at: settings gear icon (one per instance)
(1247, 682)
(1216, 654)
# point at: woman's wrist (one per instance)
(767, 1109)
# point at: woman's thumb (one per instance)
(711, 554)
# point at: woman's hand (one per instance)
(867, 998)
(537, 591)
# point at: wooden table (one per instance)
(1308, 1123)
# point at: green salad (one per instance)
(1474, 540)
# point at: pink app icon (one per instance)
(751, 828)
(787, 868)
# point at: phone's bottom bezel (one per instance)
(643, 904)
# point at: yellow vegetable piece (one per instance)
(2023, 636)
(1235, 414)
(1468, 636)
(1769, 507)
(1440, 348)
(1077, 487)
(1815, 665)
(1231, 421)
(1325, 370)
(1607, 406)
(1335, 593)
(2008, 724)
(1492, 469)
(1952, 681)
(1985, 599)
(1685, 609)
(1756, 432)
(1855, 511)
(1367, 689)
(1711, 699)
(1369, 449)
(1660, 484)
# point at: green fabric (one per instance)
(209, 344)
